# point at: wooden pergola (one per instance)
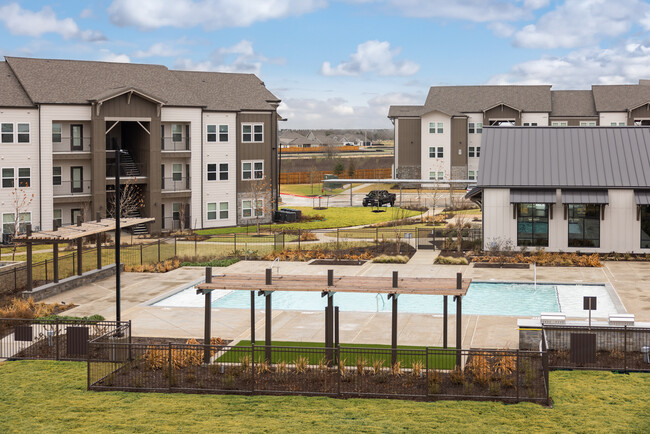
(72, 233)
(266, 284)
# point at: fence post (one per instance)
(517, 382)
(545, 364)
(283, 238)
(73, 263)
(426, 367)
(299, 236)
(46, 270)
(170, 367)
(337, 238)
(175, 252)
(252, 368)
(158, 249)
(234, 240)
(338, 370)
(56, 336)
(625, 348)
(141, 262)
(130, 342)
(195, 246)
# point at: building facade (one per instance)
(197, 149)
(442, 138)
(566, 189)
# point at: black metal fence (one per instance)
(597, 348)
(442, 238)
(422, 374)
(57, 339)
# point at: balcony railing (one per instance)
(127, 170)
(72, 188)
(176, 184)
(169, 144)
(67, 144)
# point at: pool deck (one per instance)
(631, 280)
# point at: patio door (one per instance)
(76, 137)
(77, 176)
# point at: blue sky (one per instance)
(341, 63)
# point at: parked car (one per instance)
(379, 198)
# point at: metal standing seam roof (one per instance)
(585, 196)
(565, 157)
(532, 196)
(642, 197)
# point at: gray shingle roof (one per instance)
(12, 93)
(578, 157)
(573, 103)
(616, 98)
(78, 82)
(404, 110)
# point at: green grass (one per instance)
(441, 360)
(338, 217)
(213, 263)
(307, 190)
(51, 396)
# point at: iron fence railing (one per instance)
(68, 144)
(72, 188)
(597, 348)
(175, 143)
(55, 339)
(181, 183)
(423, 374)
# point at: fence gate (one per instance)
(429, 239)
(583, 348)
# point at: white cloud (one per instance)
(109, 56)
(372, 56)
(502, 30)
(211, 14)
(470, 10)
(579, 69)
(241, 58)
(87, 13)
(580, 23)
(158, 49)
(23, 22)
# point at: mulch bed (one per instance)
(605, 360)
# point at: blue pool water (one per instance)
(512, 299)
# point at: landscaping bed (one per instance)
(605, 360)
(346, 251)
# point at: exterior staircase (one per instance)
(139, 229)
(127, 165)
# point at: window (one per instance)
(432, 175)
(252, 170)
(441, 152)
(559, 124)
(441, 176)
(177, 133)
(23, 133)
(530, 124)
(259, 170)
(620, 124)
(252, 133)
(76, 137)
(479, 127)
(7, 133)
(56, 133)
(223, 133)
(7, 177)
(471, 128)
(471, 175)
(259, 208)
(587, 124)
(56, 175)
(645, 227)
(246, 208)
(223, 210)
(77, 176)
(23, 219)
(212, 133)
(432, 152)
(432, 127)
(471, 152)
(584, 225)
(24, 177)
(223, 172)
(74, 213)
(212, 172)
(212, 211)
(176, 211)
(8, 223)
(532, 224)
(58, 217)
(478, 151)
(177, 172)
(440, 127)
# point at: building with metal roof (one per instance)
(566, 189)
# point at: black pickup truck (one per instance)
(379, 198)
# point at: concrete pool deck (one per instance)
(631, 281)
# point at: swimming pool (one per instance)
(483, 298)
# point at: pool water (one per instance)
(483, 298)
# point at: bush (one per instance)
(449, 260)
(386, 259)
(29, 309)
(308, 236)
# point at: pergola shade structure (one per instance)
(266, 284)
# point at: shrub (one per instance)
(396, 369)
(386, 259)
(302, 363)
(505, 365)
(281, 367)
(377, 366)
(308, 236)
(417, 368)
(262, 366)
(361, 366)
(479, 367)
(449, 260)
(457, 376)
(29, 309)
(467, 388)
(494, 388)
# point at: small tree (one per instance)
(351, 169)
(131, 200)
(261, 199)
(339, 168)
(21, 200)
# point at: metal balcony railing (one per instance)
(68, 144)
(175, 143)
(127, 170)
(176, 184)
(72, 188)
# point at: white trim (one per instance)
(252, 133)
(252, 170)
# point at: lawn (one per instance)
(51, 396)
(338, 217)
(307, 190)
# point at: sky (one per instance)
(342, 63)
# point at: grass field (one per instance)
(307, 190)
(51, 396)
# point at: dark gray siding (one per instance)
(409, 142)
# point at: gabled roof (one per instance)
(571, 157)
(113, 93)
(12, 93)
(396, 111)
(623, 97)
(573, 103)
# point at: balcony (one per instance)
(175, 143)
(72, 188)
(176, 184)
(68, 144)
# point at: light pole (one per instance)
(118, 211)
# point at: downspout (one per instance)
(201, 171)
(40, 174)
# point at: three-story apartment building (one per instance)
(441, 139)
(199, 149)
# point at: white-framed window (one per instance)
(432, 175)
(432, 152)
(7, 131)
(24, 177)
(212, 133)
(471, 175)
(471, 127)
(618, 124)
(23, 219)
(252, 133)
(212, 211)
(212, 172)
(530, 124)
(177, 133)
(247, 208)
(474, 151)
(8, 180)
(8, 223)
(223, 210)
(58, 216)
(223, 133)
(223, 171)
(440, 128)
(478, 151)
(252, 170)
(587, 123)
(56, 175)
(559, 124)
(176, 211)
(479, 128)
(57, 131)
(441, 176)
(432, 127)
(23, 133)
(441, 152)
(177, 172)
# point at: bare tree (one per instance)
(131, 200)
(261, 199)
(21, 200)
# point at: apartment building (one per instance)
(442, 139)
(198, 148)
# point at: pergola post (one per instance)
(393, 342)
(445, 317)
(30, 275)
(459, 319)
(55, 252)
(329, 317)
(99, 244)
(79, 250)
(252, 317)
(269, 313)
(207, 326)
